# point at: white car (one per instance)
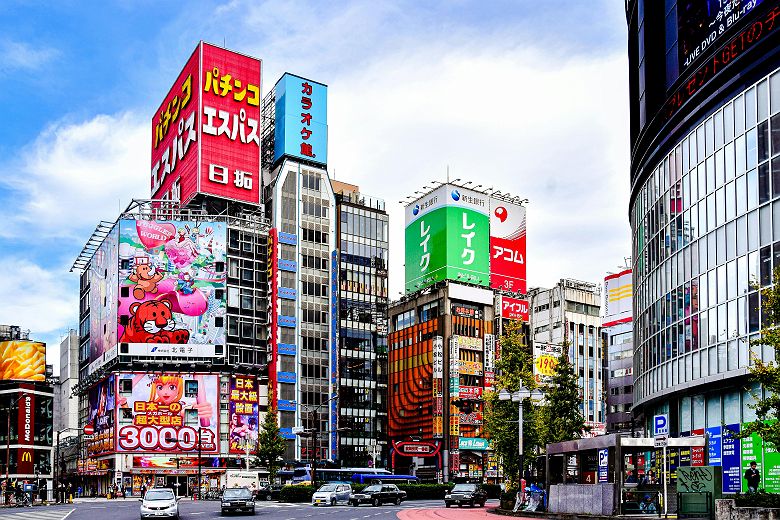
(159, 503)
(331, 494)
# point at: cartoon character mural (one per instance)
(172, 280)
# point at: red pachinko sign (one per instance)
(206, 133)
(514, 309)
(507, 246)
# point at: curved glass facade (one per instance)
(706, 236)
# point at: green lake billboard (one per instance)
(448, 237)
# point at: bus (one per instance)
(302, 475)
(370, 478)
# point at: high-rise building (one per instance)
(66, 412)
(617, 327)
(566, 318)
(362, 229)
(705, 219)
(465, 253)
(26, 408)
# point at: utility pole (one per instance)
(200, 462)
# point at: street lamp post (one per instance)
(518, 397)
(315, 433)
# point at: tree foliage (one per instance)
(767, 375)
(560, 418)
(514, 369)
(270, 444)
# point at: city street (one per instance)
(129, 510)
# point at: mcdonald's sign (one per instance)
(24, 461)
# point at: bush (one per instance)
(296, 494)
(760, 499)
(492, 490)
(508, 499)
(425, 491)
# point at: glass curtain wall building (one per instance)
(705, 214)
(362, 228)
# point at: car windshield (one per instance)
(464, 487)
(237, 493)
(372, 489)
(160, 494)
(327, 487)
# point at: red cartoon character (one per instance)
(152, 322)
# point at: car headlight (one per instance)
(447, 496)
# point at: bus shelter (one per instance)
(613, 474)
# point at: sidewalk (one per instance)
(453, 513)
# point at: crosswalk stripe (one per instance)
(37, 514)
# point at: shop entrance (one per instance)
(178, 483)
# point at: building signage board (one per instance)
(545, 360)
(22, 360)
(603, 465)
(731, 460)
(473, 368)
(490, 360)
(714, 446)
(507, 246)
(447, 237)
(618, 298)
(469, 343)
(454, 367)
(206, 134)
(438, 387)
(473, 443)
(514, 308)
(301, 119)
(170, 273)
(243, 402)
(751, 450)
(170, 412)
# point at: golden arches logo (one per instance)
(26, 456)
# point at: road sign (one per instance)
(661, 423)
(297, 430)
(89, 429)
(660, 441)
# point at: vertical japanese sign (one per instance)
(752, 449)
(25, 429)
(301, 127)
(102, 404)
(243, 404)
(714, 446)
(334, 353)
(438, 387)
(604, 465)
(490, 361)
(454, 367)
(447, 237)
(507, 246)
(697, 452)
(273, 313)
(771, 475)
(206, 133)
(731, 459)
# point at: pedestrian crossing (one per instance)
(35, 513)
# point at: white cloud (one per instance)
(15, 55)
(36, 299)
(75, 174)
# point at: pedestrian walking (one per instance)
(753, 477)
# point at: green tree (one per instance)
(559, 418)
(270, 444)
(767, 375)
(514, 369)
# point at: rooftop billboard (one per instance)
(301, 117)
(206, 133)
(22, 360)
(507, 246)
(447, 237)
(618, 295)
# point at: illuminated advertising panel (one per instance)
(301, 125)
(103, 298)
(617, 302)
(545, 360)
(490, 361)
(507, 246)
(169, 412)
(172, 284)
(514, 309)
(102, 403)
(447, 237)
(22, 360)
(454, 367)
(702, 24)
(243, 414)
(206, 133)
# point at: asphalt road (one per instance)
(128, 509)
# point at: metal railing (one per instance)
(640, 502)
(694, 505)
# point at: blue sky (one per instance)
(530, 96)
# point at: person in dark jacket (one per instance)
(753, 477)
